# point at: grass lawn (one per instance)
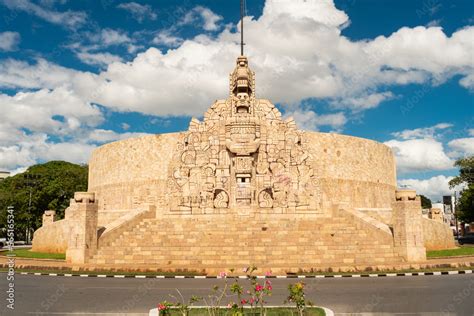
(26, 253)
(462, 251)
(310, 311)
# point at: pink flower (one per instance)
(243, 302)
(252, 300)
(269, 287)
(222, 274)
(268, 273)
(229, 305)
(161, 307)
(258, 288)
(244, 270)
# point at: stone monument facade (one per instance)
(243, 186)
(242, 157)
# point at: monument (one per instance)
(241, 187)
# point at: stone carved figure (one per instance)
(221, 199)
(265, 199)
(242, 155)
(207, 196)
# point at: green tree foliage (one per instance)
(425, 202)
(466, 172)
(465, 203)
(51, 185)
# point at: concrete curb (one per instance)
(328, 311)
(376, 275)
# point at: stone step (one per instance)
(149, 240)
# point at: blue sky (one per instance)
(77, 74)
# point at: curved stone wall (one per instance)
(127, 174)
(353, 170)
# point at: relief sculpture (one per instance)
(243, 155)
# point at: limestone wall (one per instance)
(356, 171)
(352, 158)
(52, 238)
(437, 235)
(127, 174)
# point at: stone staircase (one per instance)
(192, 242)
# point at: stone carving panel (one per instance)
(243, 155)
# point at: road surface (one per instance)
(410, 295)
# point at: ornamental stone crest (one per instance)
(242, 157)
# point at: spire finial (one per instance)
(242, 12)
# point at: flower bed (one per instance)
(270, 311)
(235, 299)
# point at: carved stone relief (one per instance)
(243, 155)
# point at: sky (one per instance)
(78, 74)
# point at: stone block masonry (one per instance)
(241, 187)
(408, 226)
(81, 217)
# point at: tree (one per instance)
(465, 203)
(425, 202)
(47, 186)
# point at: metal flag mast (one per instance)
(242, 12)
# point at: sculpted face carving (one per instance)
(242, 156)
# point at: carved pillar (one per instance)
(407, 226)
(82, 218)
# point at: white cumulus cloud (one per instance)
(423, 132)
(416, 155)
(462, 146)
(57, 112)
(9, 41)
(434, 187)
(209, 20)
(166, 38)
(310, 120)
(314, 61)
(68, 18)
(140, 12)
(98, 59)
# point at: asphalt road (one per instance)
(416, 295)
